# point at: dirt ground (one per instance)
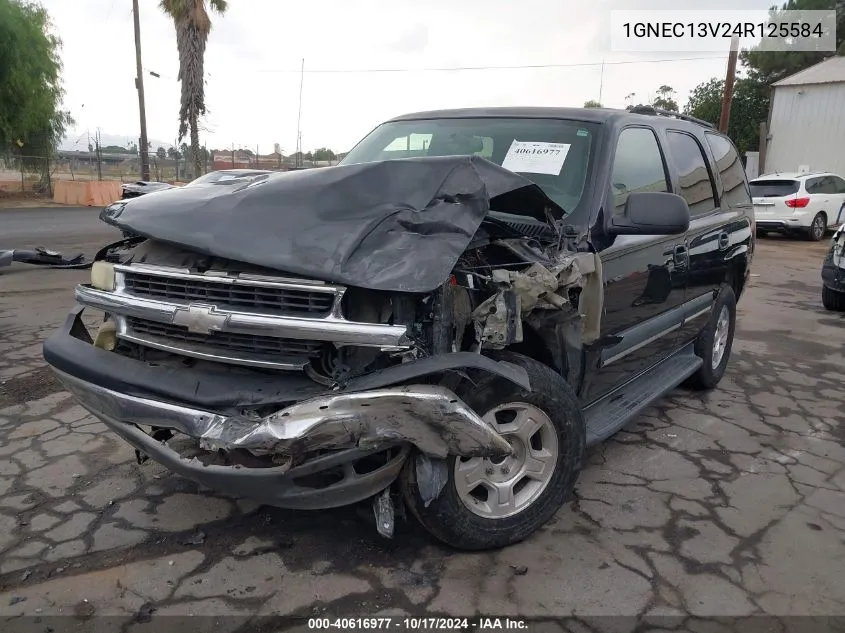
(730, 503)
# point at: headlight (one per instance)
(102, 275)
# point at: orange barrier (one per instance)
(95, 193)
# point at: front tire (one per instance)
(489, 504)
(818, 228)
(715, 342)
(833, 300)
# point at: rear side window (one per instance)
(838, 183)
(693, 176)
(731, 171)
(827, 185)
(637, 166)
(773, 188)
(816, 185)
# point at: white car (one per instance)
(793, 203)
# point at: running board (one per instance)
(607, 416)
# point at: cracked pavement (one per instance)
(728, 503)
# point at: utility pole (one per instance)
(99, 157)
(299, 118)
(730, 77)
(139, 84)
(601, 81)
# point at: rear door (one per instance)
(839, 207)
(709, 236)
(720, 236)
(828, 197)
(644, 275)
(819, 190)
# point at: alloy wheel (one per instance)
(499, 488)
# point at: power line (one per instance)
(471, 68)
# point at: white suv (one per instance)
(790, 203)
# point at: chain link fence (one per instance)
(36, 175)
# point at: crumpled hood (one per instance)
(397, 225)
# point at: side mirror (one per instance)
(652, 213)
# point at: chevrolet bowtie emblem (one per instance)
(200, 318)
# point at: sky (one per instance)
(255, 54)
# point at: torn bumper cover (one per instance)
(42, 257)
(344, 425)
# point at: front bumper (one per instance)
(344, 425)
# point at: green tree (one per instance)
(769, 65)
(172, 152)
(161, 153)
(324, 154)
(31, 119)
(665, 99)
(592, 103)
(749, 108)
(193, 24)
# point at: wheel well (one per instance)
(736, 275)
(535, 347)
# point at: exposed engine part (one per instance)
(499, 321)
(539, 287)
(317, 377)
(385, 514)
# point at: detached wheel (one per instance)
(715, 342)
(492, 503)
(818, 228)
(833, 300)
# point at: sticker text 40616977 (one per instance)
(536, 157)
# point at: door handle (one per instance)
(724, 240)
(680, 255)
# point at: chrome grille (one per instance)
(226, 293)
(241, 346)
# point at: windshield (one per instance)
(215, 177)
(773, 188)
(553, 153)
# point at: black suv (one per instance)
(445, 320)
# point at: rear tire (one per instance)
(761, 234)
(548, 433)
(833, 300)
(715, 342)
(818, 227)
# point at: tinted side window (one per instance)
(731, 171)
(814, 185)
(839, 183)
(696, 186)
(637, 166)
(828, 185)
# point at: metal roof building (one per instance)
(806, 128)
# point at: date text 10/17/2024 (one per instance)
(418, 624)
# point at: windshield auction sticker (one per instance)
(531, 157)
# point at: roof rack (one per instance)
(651, 110)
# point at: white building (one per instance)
(807, 120)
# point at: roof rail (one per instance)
(651, 110)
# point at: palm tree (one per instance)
(193, 24)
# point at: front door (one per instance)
(644, 275)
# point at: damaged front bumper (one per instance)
(312, 432)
